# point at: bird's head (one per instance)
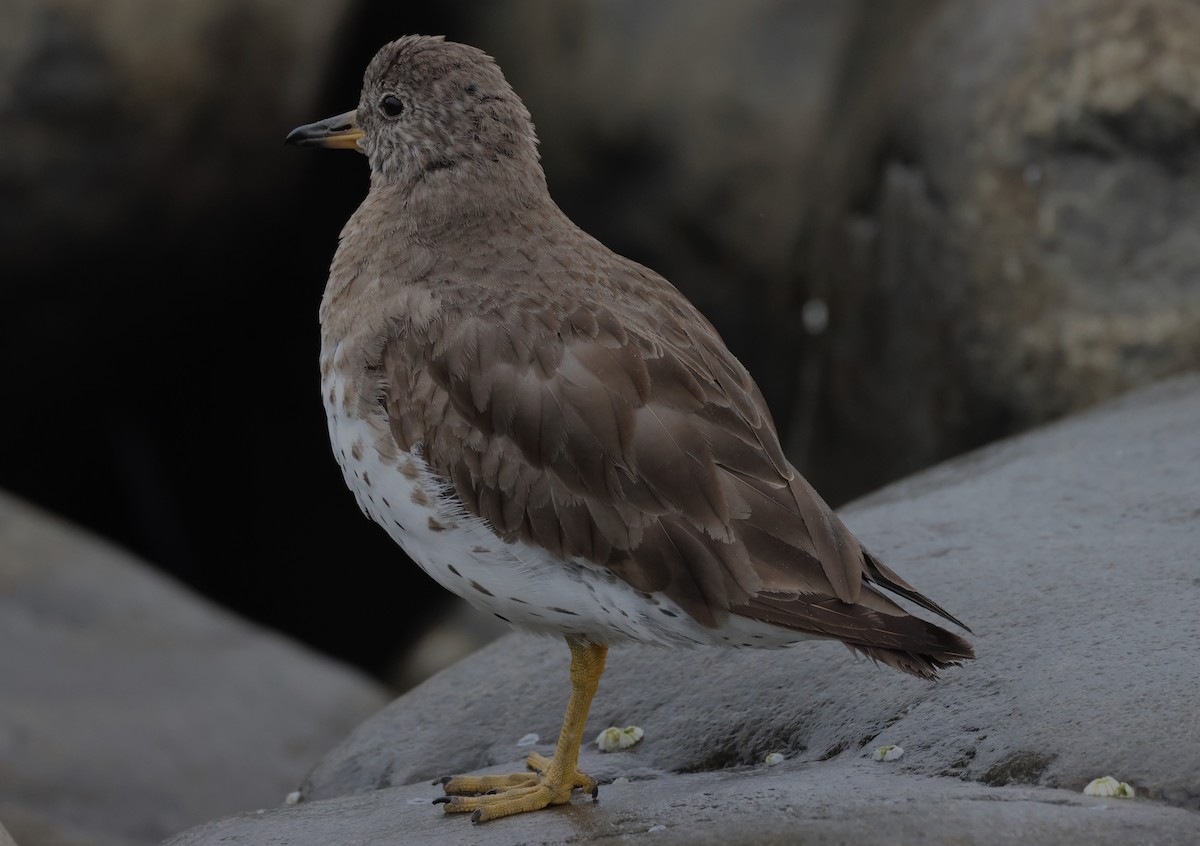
(433, 111)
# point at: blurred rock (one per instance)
(1071, 551)
(5, 838)
(129, 709)
(456, 632)
(132, 111)
(1020, 243)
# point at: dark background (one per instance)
(162, 382)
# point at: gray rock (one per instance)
(1023, 244)
(837, 802)
(129, 709)
(1071, 551)
(5, 837)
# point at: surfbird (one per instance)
(552, 431)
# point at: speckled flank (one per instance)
(515, 582)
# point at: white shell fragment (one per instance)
(1108, 786)
(614, 738)
(528, 740)
(888, 753)
(775, 759)
(292, 798)
(654, 828)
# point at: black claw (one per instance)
(596, 793)
(444, 780)
(443, 800)
(493, 791)
(477, 816)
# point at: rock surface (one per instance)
(839, 802)
(1071, 551)
(130, 710)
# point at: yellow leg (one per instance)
(554, 778)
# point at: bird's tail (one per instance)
(898, 639)
(923, 664)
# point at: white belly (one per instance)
(517, 582)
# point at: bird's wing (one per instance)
(623, 431)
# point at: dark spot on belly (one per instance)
(564, 611)
(517, 599)
(435, 526)
(481, 588)
(480, 550)
(419, 497)
(502, 617)
(332, 396)
(399, 524)
(366, 478)
(386, 504)
(409, 470)
(356, 451)
(450, 567)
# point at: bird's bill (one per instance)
(336, 133)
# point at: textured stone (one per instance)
(845, 801)
(130, 709)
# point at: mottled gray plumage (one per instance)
(569, 397)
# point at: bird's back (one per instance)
(582, 410)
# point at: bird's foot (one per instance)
(492, 797)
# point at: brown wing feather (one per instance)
(902, 641)
(621, 429)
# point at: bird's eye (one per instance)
(392, 105)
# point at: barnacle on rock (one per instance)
(614, 738)
(1109, 786)
(887, 753)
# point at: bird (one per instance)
(554, 432)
